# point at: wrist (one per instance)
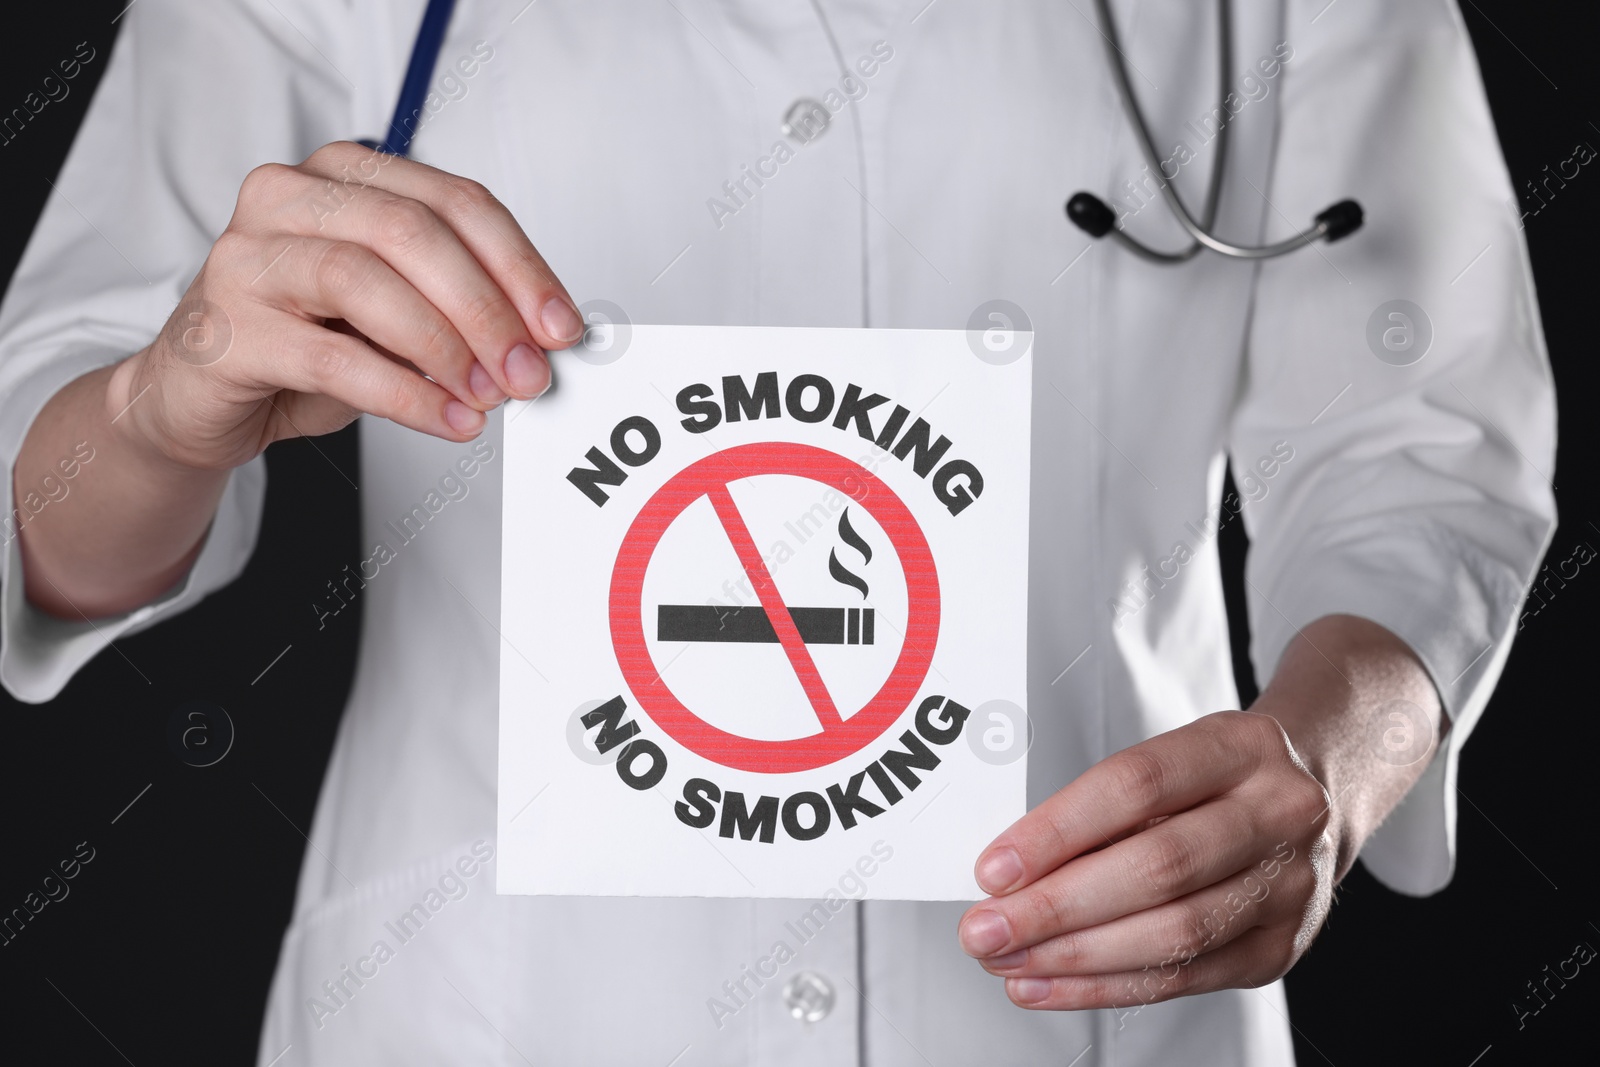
(1335, 691)
(129, 403)
(138, 517)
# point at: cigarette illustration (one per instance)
(750, 625)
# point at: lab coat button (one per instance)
(805, 120)
(809, 997)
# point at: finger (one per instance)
(484, 224)
(339, 366)
(1176, 931)
(1181, 855)
(491, 232)
(423, 249)
(344, 281)
(1259, 956)
(1162, 776)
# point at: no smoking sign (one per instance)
(755, 581)
(839, 731)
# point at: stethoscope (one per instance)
(1091, 214)
(1087, 211)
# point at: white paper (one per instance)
(643, 607)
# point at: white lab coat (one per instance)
(1417, 496)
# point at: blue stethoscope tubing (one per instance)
(419, 71)
(1087, 211)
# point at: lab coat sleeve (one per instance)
(1417, 496)
(194, 96)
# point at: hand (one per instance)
(354, 282)
(1206, 858)
(1199, 860)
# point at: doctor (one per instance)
(186, 301)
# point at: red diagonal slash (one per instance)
(772, 603)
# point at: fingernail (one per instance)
(1028, 990)
(560, 320)
(483, 386)
(463, 419)
(985, 932)
(999, 870)
(1009, 960)
(527, 371)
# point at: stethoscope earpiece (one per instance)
(1090, 214)
(1341, 220)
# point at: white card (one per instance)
(764, 613)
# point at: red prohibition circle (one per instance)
(710, 477)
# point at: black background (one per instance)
(164, 948)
